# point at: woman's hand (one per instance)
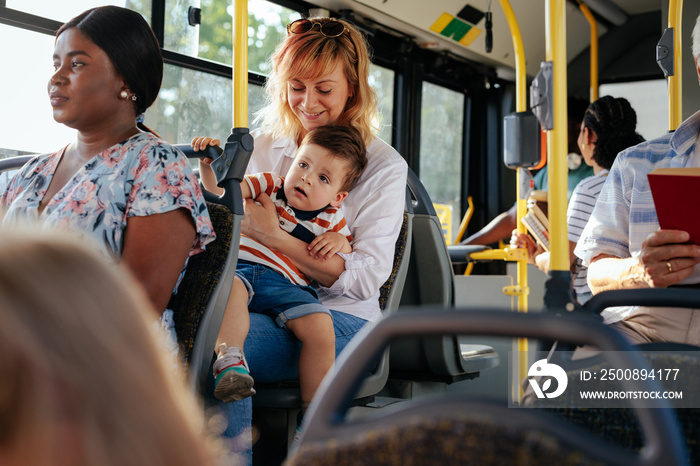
(261, 221)
(262, 224)
(328, 244)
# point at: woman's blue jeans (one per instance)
(273, 356)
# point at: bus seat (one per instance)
(200, 301)
(430, 281)
(618, 424)
(196, 314)
(606, 422)
(457, 428)
(286, 395)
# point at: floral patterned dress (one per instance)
(138, 177)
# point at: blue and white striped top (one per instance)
(581, 206)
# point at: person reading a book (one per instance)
(623, 246)
(608, 127)
(500, 228)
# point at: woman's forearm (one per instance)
(325, 272)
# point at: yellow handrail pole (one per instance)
(522, 290)
(240, 64)
(555, 19)
(465, 220)
(675, 82)
(594, 49)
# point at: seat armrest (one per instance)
(459, 253)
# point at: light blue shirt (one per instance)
(624, 214)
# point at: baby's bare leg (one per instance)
(236, 322)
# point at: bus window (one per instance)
(191, 103)
(649, 99)
(212, 39)
(26, 119)
(382, 81)
(267, 26)
(63, 11)
(441, 135)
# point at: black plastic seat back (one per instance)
(411, 429)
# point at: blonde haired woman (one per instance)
(320, 76)
(83, 379)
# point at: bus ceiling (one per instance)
(626, 28)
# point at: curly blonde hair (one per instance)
(311, 55)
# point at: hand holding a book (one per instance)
(666, 258)
(536, 254)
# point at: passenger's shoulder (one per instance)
(150, 144)
(651, 151)
(380, 150)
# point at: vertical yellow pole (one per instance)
(555, 19)
(675, 86)
(594, 50)
(240, 64)
(520, 106)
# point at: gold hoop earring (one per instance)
(124, 95)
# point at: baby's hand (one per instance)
(327, 244)
(202, 142)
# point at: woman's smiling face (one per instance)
(320, 100)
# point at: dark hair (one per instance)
(130, 44)
(344, 142)
(576, 108)
(614, 122)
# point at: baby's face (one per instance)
(315, 179)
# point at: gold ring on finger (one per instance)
(670, 269)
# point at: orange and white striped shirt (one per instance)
(303, 225)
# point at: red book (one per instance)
(674, 190)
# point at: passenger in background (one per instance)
(623, 246)
(501, 227)
(320, 76)
(609, 126)
(132, 194)
(84, 380)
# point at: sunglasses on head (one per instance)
(330, 28)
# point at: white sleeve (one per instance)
(374, 211)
